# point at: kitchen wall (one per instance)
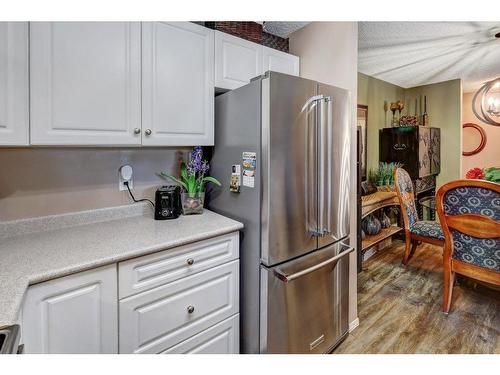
(490, 155)
(44, 181)
(444, 106)
(329, 53)
(373, 92)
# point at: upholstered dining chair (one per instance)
(469, 211)
(415, 230)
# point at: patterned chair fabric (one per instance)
(474, 200)
(426, 228)
(406, 189)
(430, 229)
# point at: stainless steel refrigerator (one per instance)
(288, 140)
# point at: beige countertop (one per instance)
(47, 248)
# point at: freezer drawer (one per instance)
(304, 303)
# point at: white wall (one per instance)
(329, 53)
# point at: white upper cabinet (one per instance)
(237, 61)
(73, 314)
(85, 83)
(178, 84)
(14, 111)
(278, 61)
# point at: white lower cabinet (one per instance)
(73, 314)
(221, 338)
(180, 300)
(155, 320)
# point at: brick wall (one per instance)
(251, 31)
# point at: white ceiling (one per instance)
(282, 29)
(410, 54)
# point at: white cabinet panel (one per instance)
(73, 314)
(236, 61)
(85, 83)
(281, 62)
(155, 320)
(140, 274)
(178, 84)
(14, 112)
(222, 338)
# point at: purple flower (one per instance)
(196, 163)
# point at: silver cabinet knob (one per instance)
(190, 309)
(137, 131)
(147, 132)
(190, 261)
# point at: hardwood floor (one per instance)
(399, 308)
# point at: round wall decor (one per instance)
(477, 139)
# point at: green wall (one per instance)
(444, 106)
(373, 92)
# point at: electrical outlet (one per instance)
(125, 174)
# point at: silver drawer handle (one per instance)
(190, 261)
(147, 131)
(190, 309)
(287, 278)
(137, 131)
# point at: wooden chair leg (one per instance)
(448, 281)
(408, 249)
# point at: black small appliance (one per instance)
(168, 202)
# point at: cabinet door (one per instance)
(14, 120)
(85, 83)
(222, 338)
(178, 84)
(278, 61)
(236, 61)
(73, 314)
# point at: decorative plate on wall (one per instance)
(474, 139)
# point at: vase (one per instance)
(371, 225)
(192, 203)
(385, 222)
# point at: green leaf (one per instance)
(212, 180)
(492, 174)
(166, 176)
(184, 173)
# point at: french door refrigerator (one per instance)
(283, 143)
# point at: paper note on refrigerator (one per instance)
(249, 168)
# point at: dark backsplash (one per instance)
(251, 31)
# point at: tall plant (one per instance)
(192, 178)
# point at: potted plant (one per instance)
(193, 180)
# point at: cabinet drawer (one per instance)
(140, 274)
(155, 320)
(222, 338)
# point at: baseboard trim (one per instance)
(353, 325)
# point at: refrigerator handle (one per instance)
(329, 164)
(325, 166)
(287, 278)
(310, 201)
(321, 175)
